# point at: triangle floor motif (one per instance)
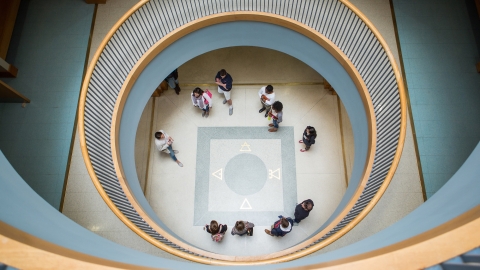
(245, 205)
(218, 174)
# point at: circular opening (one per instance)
(234, 169)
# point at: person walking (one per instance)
(276, 113)
(242, 228)
(309, 136)
(216, 230)
(302, 210)
(224, 82)
(172, 80)
(267, 98)
(164, 144)
(203, 100)
(281, 227)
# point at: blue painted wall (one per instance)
(439, 53)
(48, 47)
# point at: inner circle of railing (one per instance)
(153, 20)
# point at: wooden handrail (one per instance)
(268, 18)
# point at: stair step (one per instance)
(471, 258)
(460, 266)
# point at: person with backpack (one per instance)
(242, 228)
(281, 227)
(309, 135)
(216, 230)
(203, 100)
(303, 210)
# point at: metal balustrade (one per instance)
(157, 18)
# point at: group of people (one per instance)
(279, 228)
(204, 100)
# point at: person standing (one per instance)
(224, 82)
(281, 227)
(242, 227)
(276, 113)
(172, 80)
(203, 100)
(267, 98)
(302, 210)
(309, 136)
(164, 144)
(216, 230)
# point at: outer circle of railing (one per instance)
(149, 22)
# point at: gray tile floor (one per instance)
(244, 173)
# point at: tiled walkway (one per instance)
(439, 54)
(48, 47)
(208, 145)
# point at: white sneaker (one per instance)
(230, 111)
(180, 164)
(224, 101)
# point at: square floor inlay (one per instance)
(244, 173)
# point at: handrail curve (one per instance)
(338, 20)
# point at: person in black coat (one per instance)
(172, 80)
(309, 136)
(303, 210)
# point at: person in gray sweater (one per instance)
(276, 113)
(242, 227)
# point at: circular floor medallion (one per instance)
(245, 174)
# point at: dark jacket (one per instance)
(277, 229)
(308, 139)
(227, 80)
(301, 213)
(222, 228)
(174, 75)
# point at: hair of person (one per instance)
(223, 72)
(285, 223)
(277, 106)
(239, 225)
(198, 90)
(158, 134)
(312, 131)
(269, 89)
(214, 227)
(308, 205)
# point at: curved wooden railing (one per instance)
(150, 27)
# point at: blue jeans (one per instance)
(172, 154)
(275, 123)
(207, 109)
(172, 82)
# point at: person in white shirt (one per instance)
(164, 144)
(203, 100)
(267, 98)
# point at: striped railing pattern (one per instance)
(157, 18)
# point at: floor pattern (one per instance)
(244, 173)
